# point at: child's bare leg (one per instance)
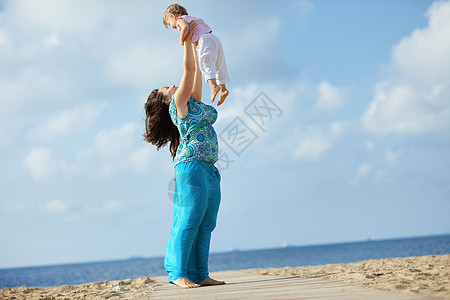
(215, 88)
(223, 94)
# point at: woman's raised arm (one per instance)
(185, 88)
(197, 88)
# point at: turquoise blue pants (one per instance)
(195, 207)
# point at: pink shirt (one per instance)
(202, 28)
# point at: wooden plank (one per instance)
(241, 285)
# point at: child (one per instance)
(209, 49)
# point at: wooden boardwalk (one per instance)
(241, 285)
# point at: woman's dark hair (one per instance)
(159, 129)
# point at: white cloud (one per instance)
(64, 123)
(55, 207)
(115, 150)
(260, 51)
(246, 94)
(116, 142)
(5, 137)
(141, 158)
(108, 153)
(424, 55)
(370, 145)
(4, 39)
(18, 88)
(113, 206)
(302, 8)
(302, 143)
(64, 15)
(405, 108)
(139, 66)
(51, 59)
(415, 95)
(70, 56)
(52, 40)
(311, 143)
(112, 151)
(330, 97)
(311, 147)
(362, 171)
(40, 162)
(392, 157)
(16, 208)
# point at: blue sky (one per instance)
(358, 147)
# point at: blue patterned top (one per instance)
(198, 139)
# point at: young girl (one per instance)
(209, 49)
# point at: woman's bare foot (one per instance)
(223, 94)
(185, 283)
(210, 281)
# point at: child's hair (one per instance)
(175, 9)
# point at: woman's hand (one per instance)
(192, 25)
(186, 30)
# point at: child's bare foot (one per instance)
(210, 281)
(214, 91)
(223, 94)
(215, 88)
(185, 283)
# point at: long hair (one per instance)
(159, 129)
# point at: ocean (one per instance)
(291, 256)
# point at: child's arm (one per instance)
(184, 29)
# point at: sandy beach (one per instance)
(429, 275)
(140, 288)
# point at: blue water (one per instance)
(280, 257)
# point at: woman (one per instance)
(178, 116)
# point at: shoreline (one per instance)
(426, 275)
